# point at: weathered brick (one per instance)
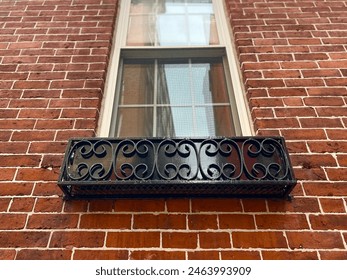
(17, 239)
(43, 254)
(214, 240)
(282, 221)
(289, 255)
(81, 254)
(61, 239)
(188, 240)
(112, 221)
(314, 240)
(138, 239)
(52, 221)
(157, 255)
(160, 221)
(259, 239)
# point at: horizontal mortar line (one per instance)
(72, 230)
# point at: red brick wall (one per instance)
(53, 59)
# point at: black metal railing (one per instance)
(177, 167)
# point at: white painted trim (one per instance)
(224, 32)
(108, 101)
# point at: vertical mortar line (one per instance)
(286, 238)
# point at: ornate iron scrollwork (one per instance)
(156, 167)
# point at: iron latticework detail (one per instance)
(177, 167)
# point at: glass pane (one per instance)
(222, 121)
(134, 122)
(174, 84)
(172, 30)
(202, 121)
(192, 82)
(141, 31)
(137, 83)
(171, 23)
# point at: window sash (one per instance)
(225, 49)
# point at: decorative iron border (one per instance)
(176, 167)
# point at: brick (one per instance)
(160, 221)
(332, 205)
(47, 147)
(313, 161)
(22, 204)
(48, 204)
(240, 255)
(4, 204)
(333, 255)
(289, 255)
(214, 240)
(203, 255)
(299, 204)
(80, 254)
(12, 221)
(138, 239)
(28, 103)
(337, 174)
(157, 255)
(76, 206)
(20, 160)
(101, 206)
(7, 174)
(7, 254)
(43, 254)
(199, 222)
(138, 205)
(216, 205)
(52, 221)
(33, 135)
(294, 221)
(16, 239)
(314, 240)
(111, 221)
(16, 124)
(31, 85)
(36, 174)
(278, 92)
(325, 188)
(261, 239)
(236, 221)
(15, 189)
(188, 240)
(336, 134)
(328, 222)
(77, 239)
(277, 123)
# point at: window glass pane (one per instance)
(174, 84)
(200, 121)
(171, 23)
(137, 83)
(141, 30)
(134, 122)
(193, 82)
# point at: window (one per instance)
(173, 73)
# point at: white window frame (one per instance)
(239, 107)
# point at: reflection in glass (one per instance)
(164, 98)
(171, 23)
(134, 122)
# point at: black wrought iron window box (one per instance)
(177, 167)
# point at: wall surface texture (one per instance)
(53, 62)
